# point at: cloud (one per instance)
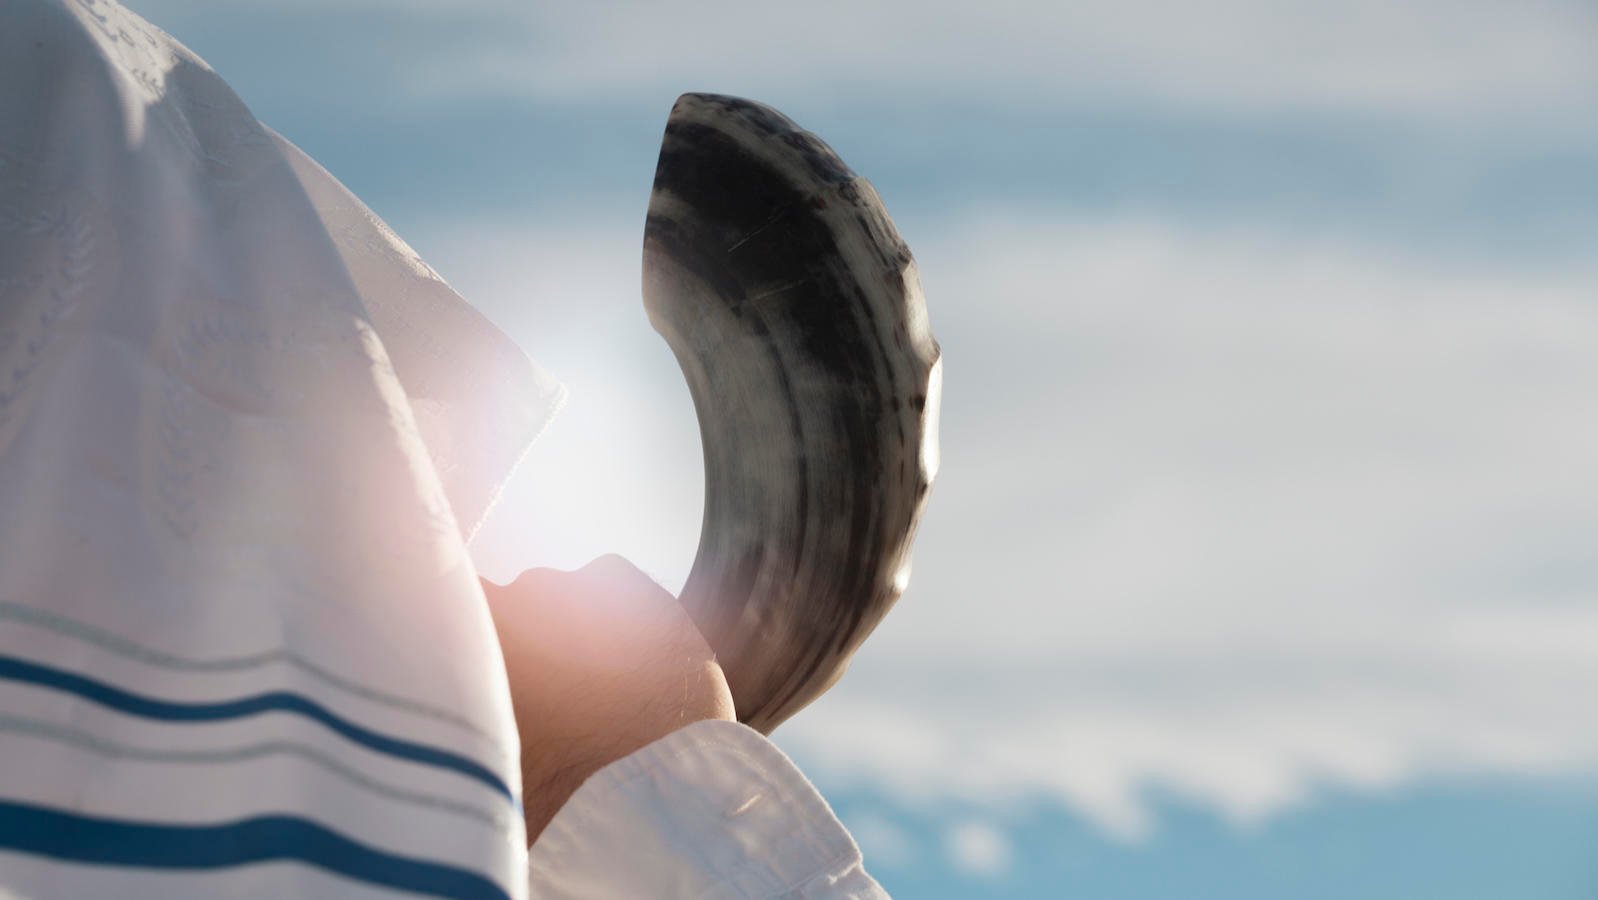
(1284, 428)
(884, 843)
(1234, 516)
(978, 848)
(396, 101)
(1524, 60)
(1245, 734)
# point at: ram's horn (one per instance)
(779, 281)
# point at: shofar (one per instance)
(779, 281)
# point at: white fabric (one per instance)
(711, 811)
(243, 434)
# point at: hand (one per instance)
(601, 662)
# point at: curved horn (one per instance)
(778, 279)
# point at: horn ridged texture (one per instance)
(779, 281)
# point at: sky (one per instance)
(1263, 558)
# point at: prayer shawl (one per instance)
(244, 435)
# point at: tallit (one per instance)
(244, 435)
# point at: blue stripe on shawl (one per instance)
(19, 670)
(116, 842)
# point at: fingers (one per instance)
(607, 612)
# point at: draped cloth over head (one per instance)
(244, 435)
